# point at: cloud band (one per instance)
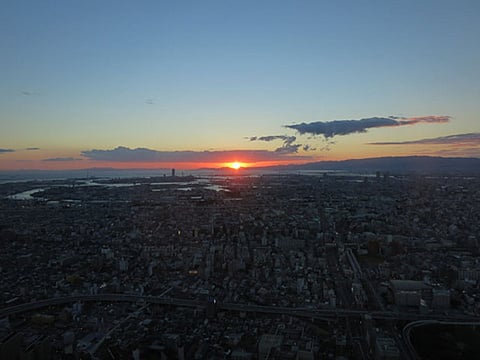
(333, 128)
(125, 154)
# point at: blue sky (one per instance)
(208, 75)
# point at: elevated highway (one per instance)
(315, 313)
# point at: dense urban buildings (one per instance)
(279, 266)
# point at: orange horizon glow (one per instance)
(12, 165)
(35, 160)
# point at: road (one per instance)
(354, 331)
(95, 347)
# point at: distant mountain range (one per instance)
(395, 165)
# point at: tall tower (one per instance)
(173, 172)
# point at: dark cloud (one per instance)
(333, 128)
(286, 139)
(125, 154)
(149, 101)
(6, 151)
(458, 139)
(288, 146)
(288, 149)
(32, 148)
(62, 159)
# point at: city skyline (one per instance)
(207, 84)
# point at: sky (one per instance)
(187, 84)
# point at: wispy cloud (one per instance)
(285, 138)
(60, 159)
(6, 151)
(288, 147)
(329, 129)
(28, 93)
(461, 145)
(458, 139)
(32, 148)
(459, 152)
(125, 154)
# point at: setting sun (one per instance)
(236, 165)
